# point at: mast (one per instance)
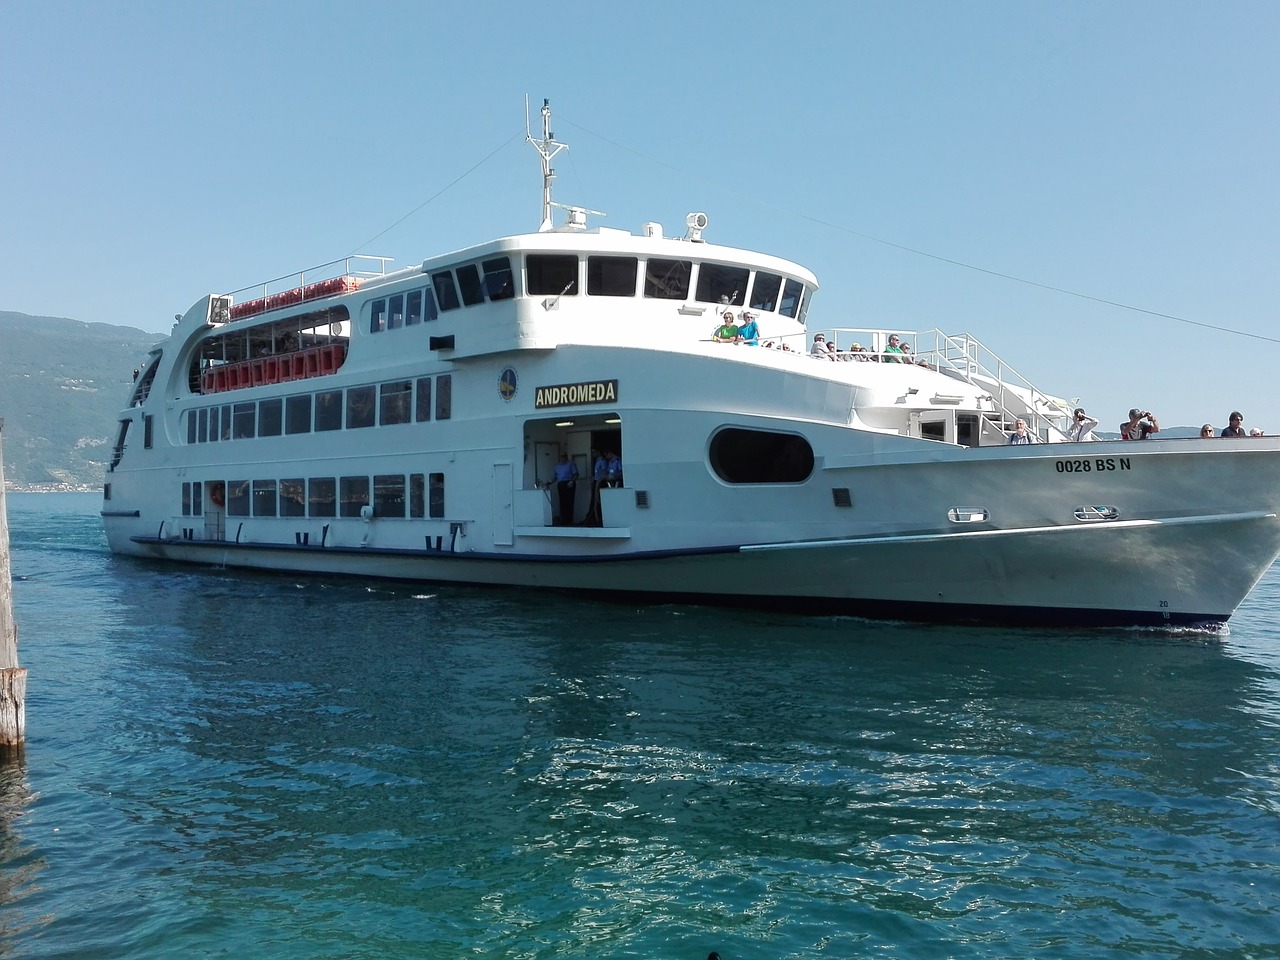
(547, 148)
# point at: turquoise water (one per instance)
(229, 765)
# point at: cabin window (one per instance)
(197, 499)
(293, 497)
(242, 420)
(148, 430)
(412, 307)
(322, 497)
(395, 312)
(435, 502)
(791, 296)
(760, 456)
(378, 316)
(269, 417)
(186, 499)
(329, 410)
(667, 279)
(394, 402)
(202, 426)
(361, 407)
(446, 292)
(721, 283)
(551, 274)
(444, 396)
(612, 276)
(423, 411)
(237, 498)
(388, 496)
(192, 420)
(297, 414)
(764, 292)
(354, 494)
(224, 432)
(469, 284)
(417, 495)
(264, 498)
(497, 279)
(429, 305)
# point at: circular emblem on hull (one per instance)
(507, 384)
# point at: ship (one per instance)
(657, 417)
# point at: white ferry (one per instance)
(355, 420)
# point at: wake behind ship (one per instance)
(589, 409)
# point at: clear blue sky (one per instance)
(154, 152)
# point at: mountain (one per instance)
(62, 382)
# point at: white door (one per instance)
(503, 504)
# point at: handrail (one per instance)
(301, 275)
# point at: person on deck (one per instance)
(749, 331)
(728, 331)
(1020, 433)
(893, 352)
(566, 487)
(1235, 427)
(1082, 425)
(1141, 424)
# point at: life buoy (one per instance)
(218, 493)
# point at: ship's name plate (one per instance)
(569, 394)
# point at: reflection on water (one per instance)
(222, 761)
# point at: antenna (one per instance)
(547, 148)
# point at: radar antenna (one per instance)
(547, 148)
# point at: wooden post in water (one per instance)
(13, 678)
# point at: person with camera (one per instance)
(1081, 426)
(1141, 424)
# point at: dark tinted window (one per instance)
(612, 276)
(412, 307)
(237, 498)
(758, 456)
(264, 498)
(497, 279)
(417, 495)
(297, 414)
(423, 405)
(764, 294)
(719, 283)
(244, 416)
(361, 406)
(469, 285)
(393, 402)
(444, 397)
(667, 279)
(791, 295)
(191, 426)
(322, 497)
(293, 498)
(435, 496)
(551, 274)
(388, 496)
(378, 316)
(329, 410)
(269, 417)
(395, 312)
(353, 494)
(446, 292)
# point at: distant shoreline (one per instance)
(16, 487)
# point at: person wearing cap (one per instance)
(749, 330)
(1141, 424)
(1235, 427)
(727, 332)
(857, 353)
(1255, 432)
(1082, 425)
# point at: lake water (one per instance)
(222, 764)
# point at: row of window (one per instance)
(321, 497)
(381, 404)
(557, 275)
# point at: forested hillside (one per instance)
(62, 382)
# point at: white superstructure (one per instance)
(407, 424)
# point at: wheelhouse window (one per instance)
(760, 456)
(612, 276)
(722, 283)
(446, 291)
(792, 294)
(497, 279)
(551, 275)
(469, 284)
(764, 292)
(667, 279)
